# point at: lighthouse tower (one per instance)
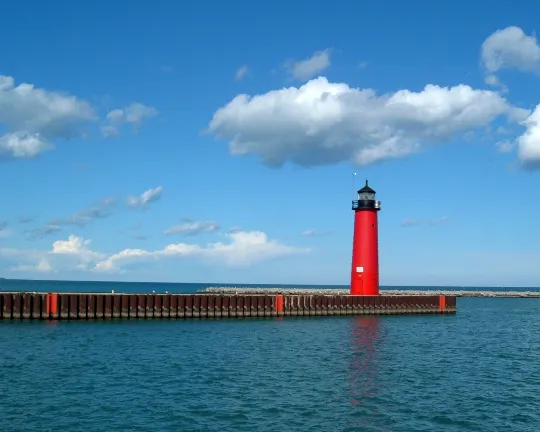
(365, 254)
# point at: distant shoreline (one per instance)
(234, 285)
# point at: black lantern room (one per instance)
(366, 199)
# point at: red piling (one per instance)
(279, 304)
(52, 304)
(442, 302)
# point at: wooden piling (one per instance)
(113, 306)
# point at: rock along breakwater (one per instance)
(402, 292)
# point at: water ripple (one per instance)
(475, 371)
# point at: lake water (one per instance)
(473, 371)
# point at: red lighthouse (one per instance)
(365, 254)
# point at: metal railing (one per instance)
(356, 204)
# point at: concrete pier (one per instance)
(104, 306)
(402, 292)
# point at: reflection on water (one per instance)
(364, 359)
(51, 323)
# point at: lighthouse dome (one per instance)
(366, 189)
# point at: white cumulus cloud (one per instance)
(75, 246)
(510, 48)
(326, 123)
(77, 251)
(34, 118)
(74, 254)
(65, 255)
(243, 248)
(529, 143)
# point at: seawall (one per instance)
(102, 306)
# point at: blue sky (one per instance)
(206, 141)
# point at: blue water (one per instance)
(473, 371)
(140, 287)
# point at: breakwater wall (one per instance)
(102, 306)
(402, 293)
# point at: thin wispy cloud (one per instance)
(4, 231)
(133, 115)
(142, 201)
(310, 67)
(314, 233)
(100, 210)
(505, 146)
(191, 228)
(241, 73)
(40, 232)
(410, 222)
(438, 221)
(134, 232)
(430, 222)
